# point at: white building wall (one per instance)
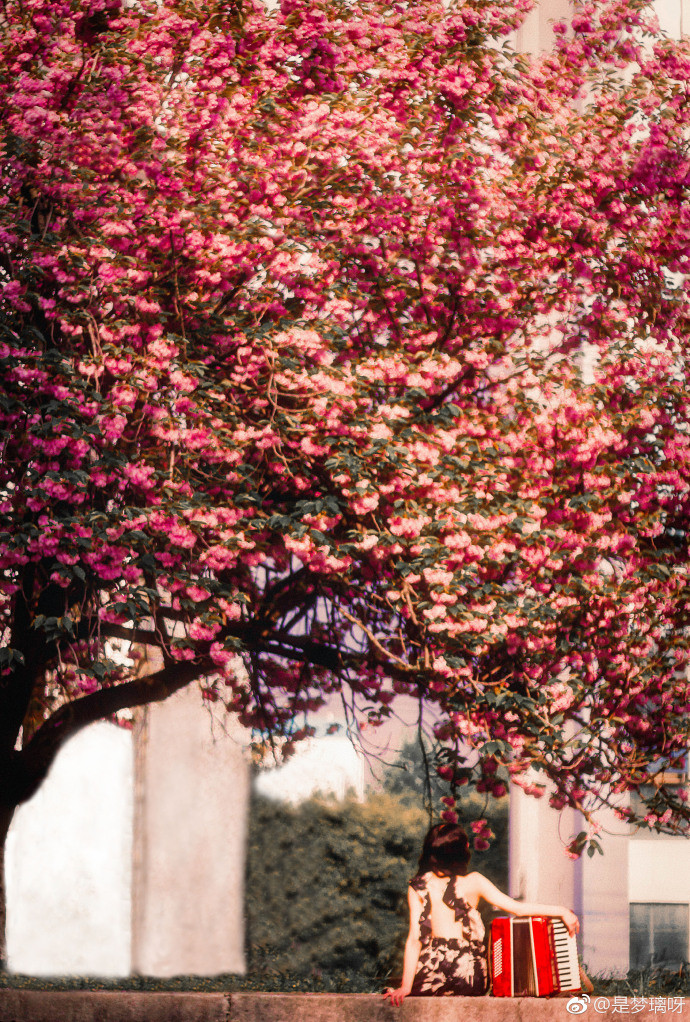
(659, 869)
(112, 869)
(674, 17)
(535, 35)
(68, 862)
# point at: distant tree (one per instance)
(413, 776)
(415, 781)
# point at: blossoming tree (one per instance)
(343, 339)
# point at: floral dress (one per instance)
(450, 966)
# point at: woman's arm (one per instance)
(413, 945)
(498, 899)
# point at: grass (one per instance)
(275, 982)
(649, 983)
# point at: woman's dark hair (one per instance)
(446, 851)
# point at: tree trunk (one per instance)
(6, 815)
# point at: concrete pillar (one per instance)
(670, 15)
(535, 35)
(191, 799)
(684, 18)
(539, 869)
(595, 888)
(605, 906)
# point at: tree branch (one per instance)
(31, 765)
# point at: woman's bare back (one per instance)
(443, 916)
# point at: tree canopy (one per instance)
(343, 339)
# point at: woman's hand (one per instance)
(396, 995)
(571, 921)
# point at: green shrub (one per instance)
(326, 883)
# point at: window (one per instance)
(658, 934)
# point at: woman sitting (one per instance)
(445, 952)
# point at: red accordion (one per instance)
(534, 956)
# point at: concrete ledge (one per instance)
(258, 1007)
(128, 1006)
(102, 1006)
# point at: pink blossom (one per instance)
(303, 356)
(200, 631)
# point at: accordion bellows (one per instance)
(534, 956)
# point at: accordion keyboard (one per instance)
(567, 962)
